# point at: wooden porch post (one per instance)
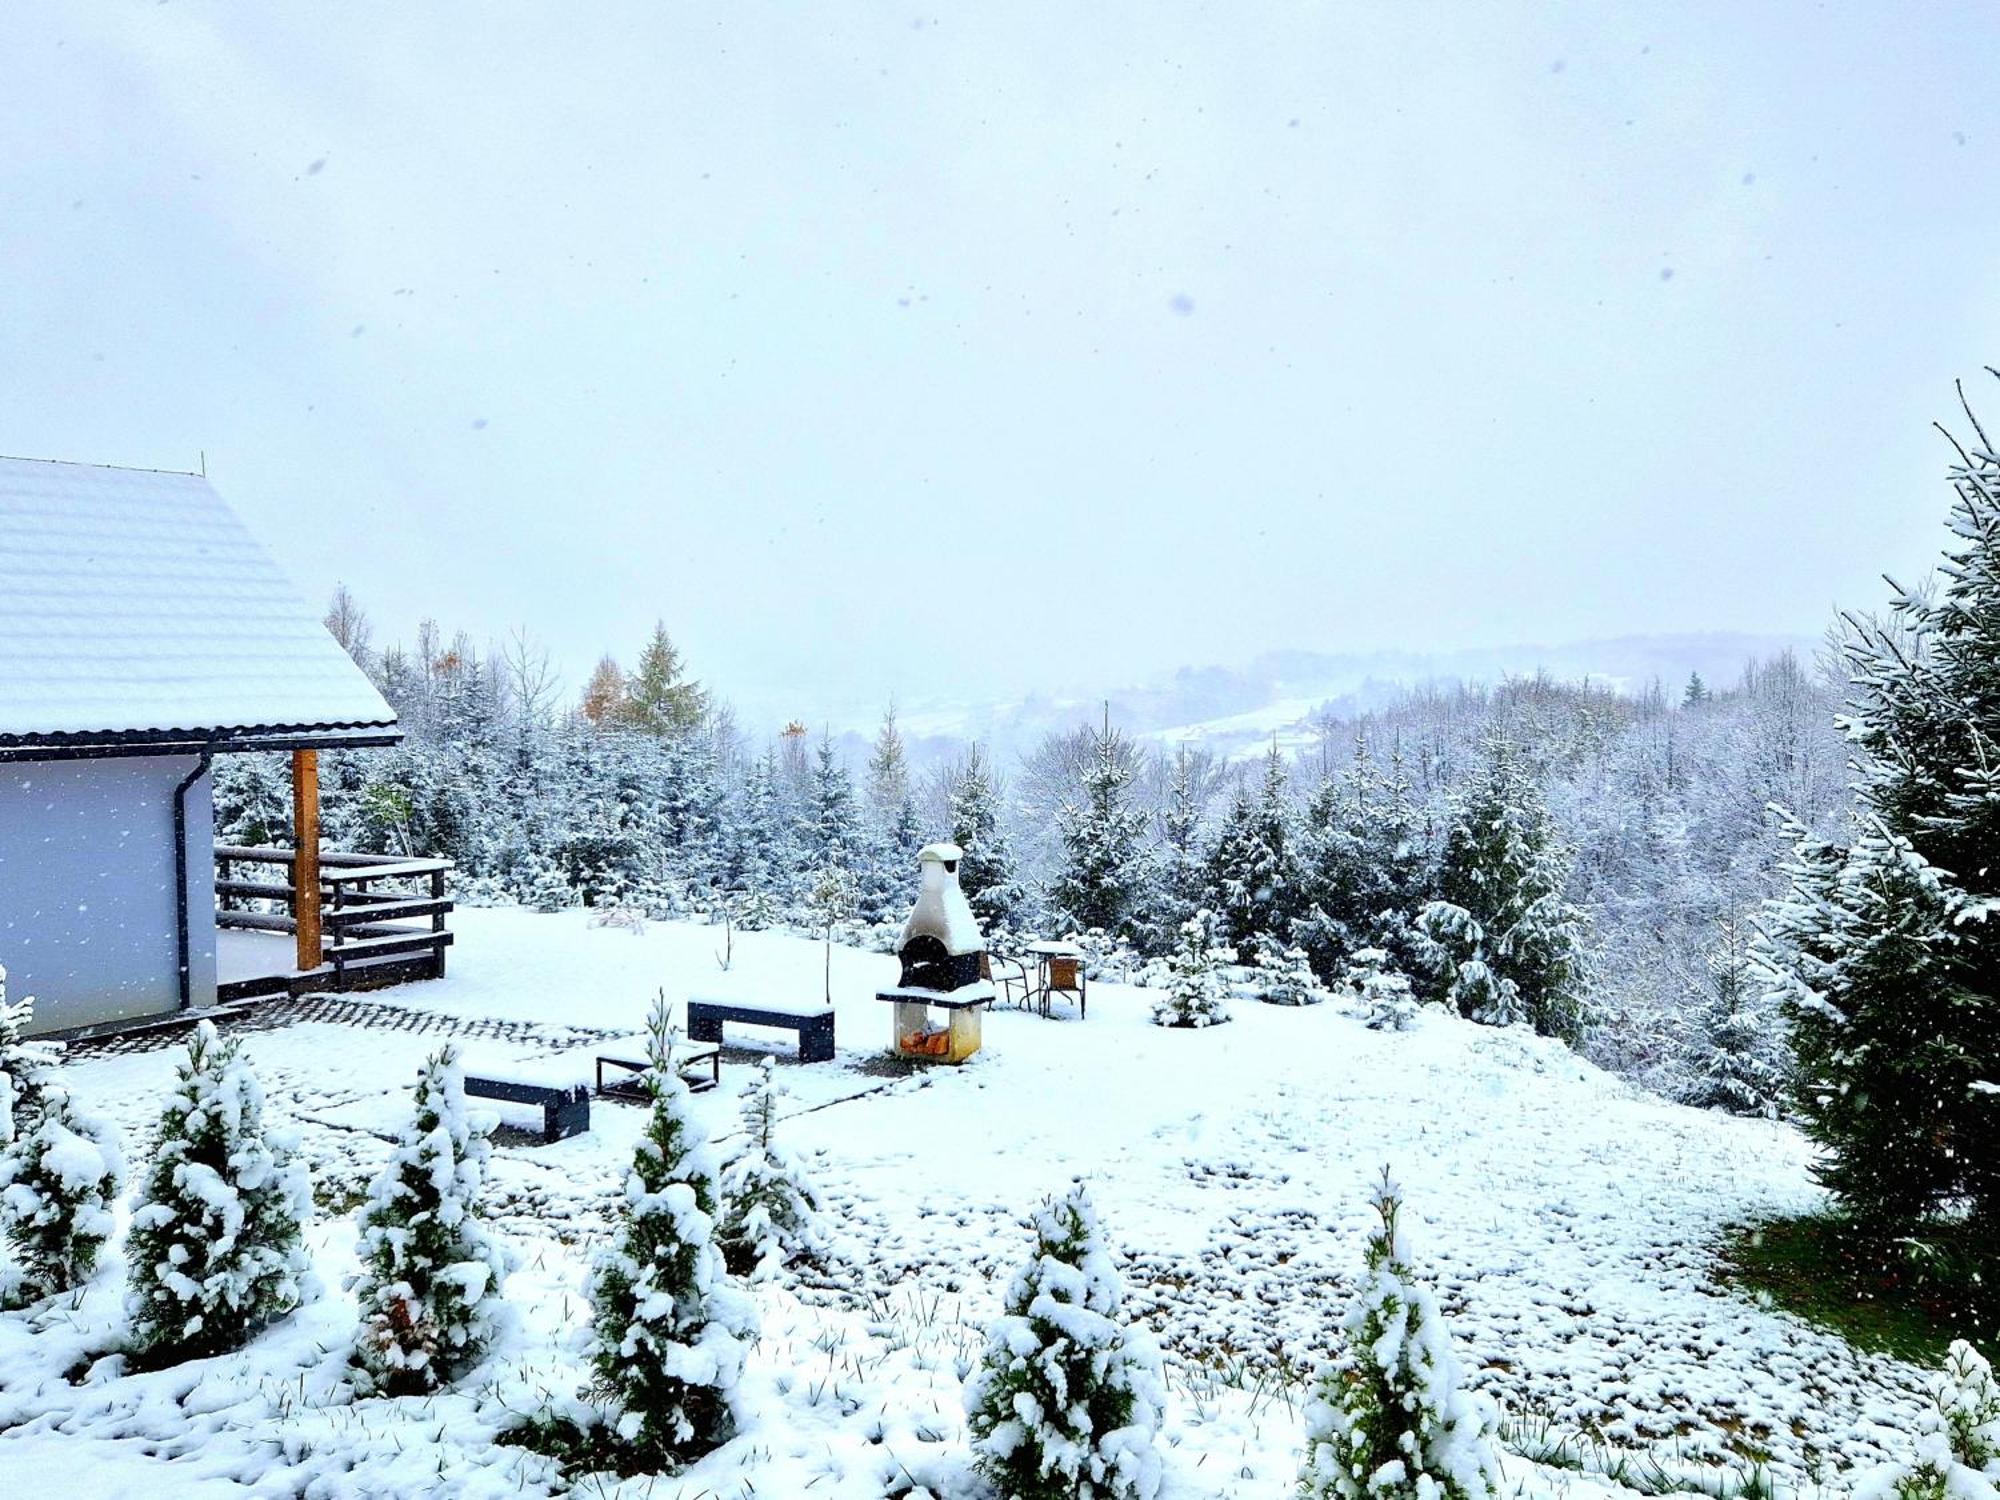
(305, 855)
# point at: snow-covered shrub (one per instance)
(1387, 1002)
(1284, 974)
(59, 1178)
(620, 918)
(671, 1329)
(543, 887)
(1067, 1401)
(1452, 943)
(1388, 1419)
(770, 1213)
(26, 1067)
(1105, 956)
(1197, 990)
(215, 1248)
(429, 1288)
(1958, 1439)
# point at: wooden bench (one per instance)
(632, 1084)
(565, 1107)
(814, 1026)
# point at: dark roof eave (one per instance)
(89, 745)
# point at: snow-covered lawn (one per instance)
(1569, 1221)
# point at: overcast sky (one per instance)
(892, 349)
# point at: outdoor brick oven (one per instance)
(943, 958)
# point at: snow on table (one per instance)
(1569, 1220)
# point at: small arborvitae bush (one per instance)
(1958, 1439)
(215, 1248)
(1389, 1419)
(1197, 992)
(59, 1179)
(1387, 1001)
(671, 1329)
(771, 1214)
(429, 1289)
(1284, 974)
(1067, 1401)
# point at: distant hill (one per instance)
(1236, 710)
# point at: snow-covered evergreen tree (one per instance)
(1958, 1439)
(1364, 866)
(1253, 880)
(27, 1066)
(1098, 883)
(671, 1329)
(1390, 1418)
(659, 698)
(1197, 993)
(770, 1215)
(1284, 974)
(1068, 1399)
(1737, 1054)
(830, 827)
(1502, 940)
(1388, 1003)
(1886, 957)
(1177, 873)
(986, 868)
(215, 1252)
(430, 1283)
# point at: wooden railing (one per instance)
(382, 918)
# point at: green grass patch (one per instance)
(1908, 1297)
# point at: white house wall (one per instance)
(87, 912)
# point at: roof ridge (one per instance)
(80, 463)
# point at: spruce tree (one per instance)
(1097, 884)
(1253, 879)
(1364, 866)
(1387, 1001)
(429, 1289)
(986, 867)
(830, 828)
(1882, 954)
(1389, 1418)
(1502, 940)
(1734, 1061)
(1196, 994)
(60, 1177)
(215, 1250)
(770, 1216)
(659, 699)
(671, 1330)
(1067, 1400)
(1178, 872)
(1284, 974)
(1958, 1438)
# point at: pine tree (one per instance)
(1067, 1401)
(1958, 1439)
(214, 1250)
(1735, 1063)
(1502, 939)
(429, 1288)
(671, 1330)
(986, 865)
(1097, 885)
(659, 699)
(771, 1215)
(1389, 1418)
(1196, 994)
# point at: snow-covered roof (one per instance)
(134, 606)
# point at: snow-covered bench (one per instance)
(700, 1068)
(813, 1022)
(563, 1095)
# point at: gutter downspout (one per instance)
(181, 938)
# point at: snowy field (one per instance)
(1569, 1221)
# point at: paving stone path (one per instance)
(345, 1010)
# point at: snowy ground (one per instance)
(1569, 1220)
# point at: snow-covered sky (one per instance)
(876, 347)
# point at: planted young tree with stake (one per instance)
(1389, 1419)
(771, 1217)
(429, 1288)
(215, 1249)
(1067, 1401)
(671, 1330)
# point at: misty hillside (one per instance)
(1236, 710)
